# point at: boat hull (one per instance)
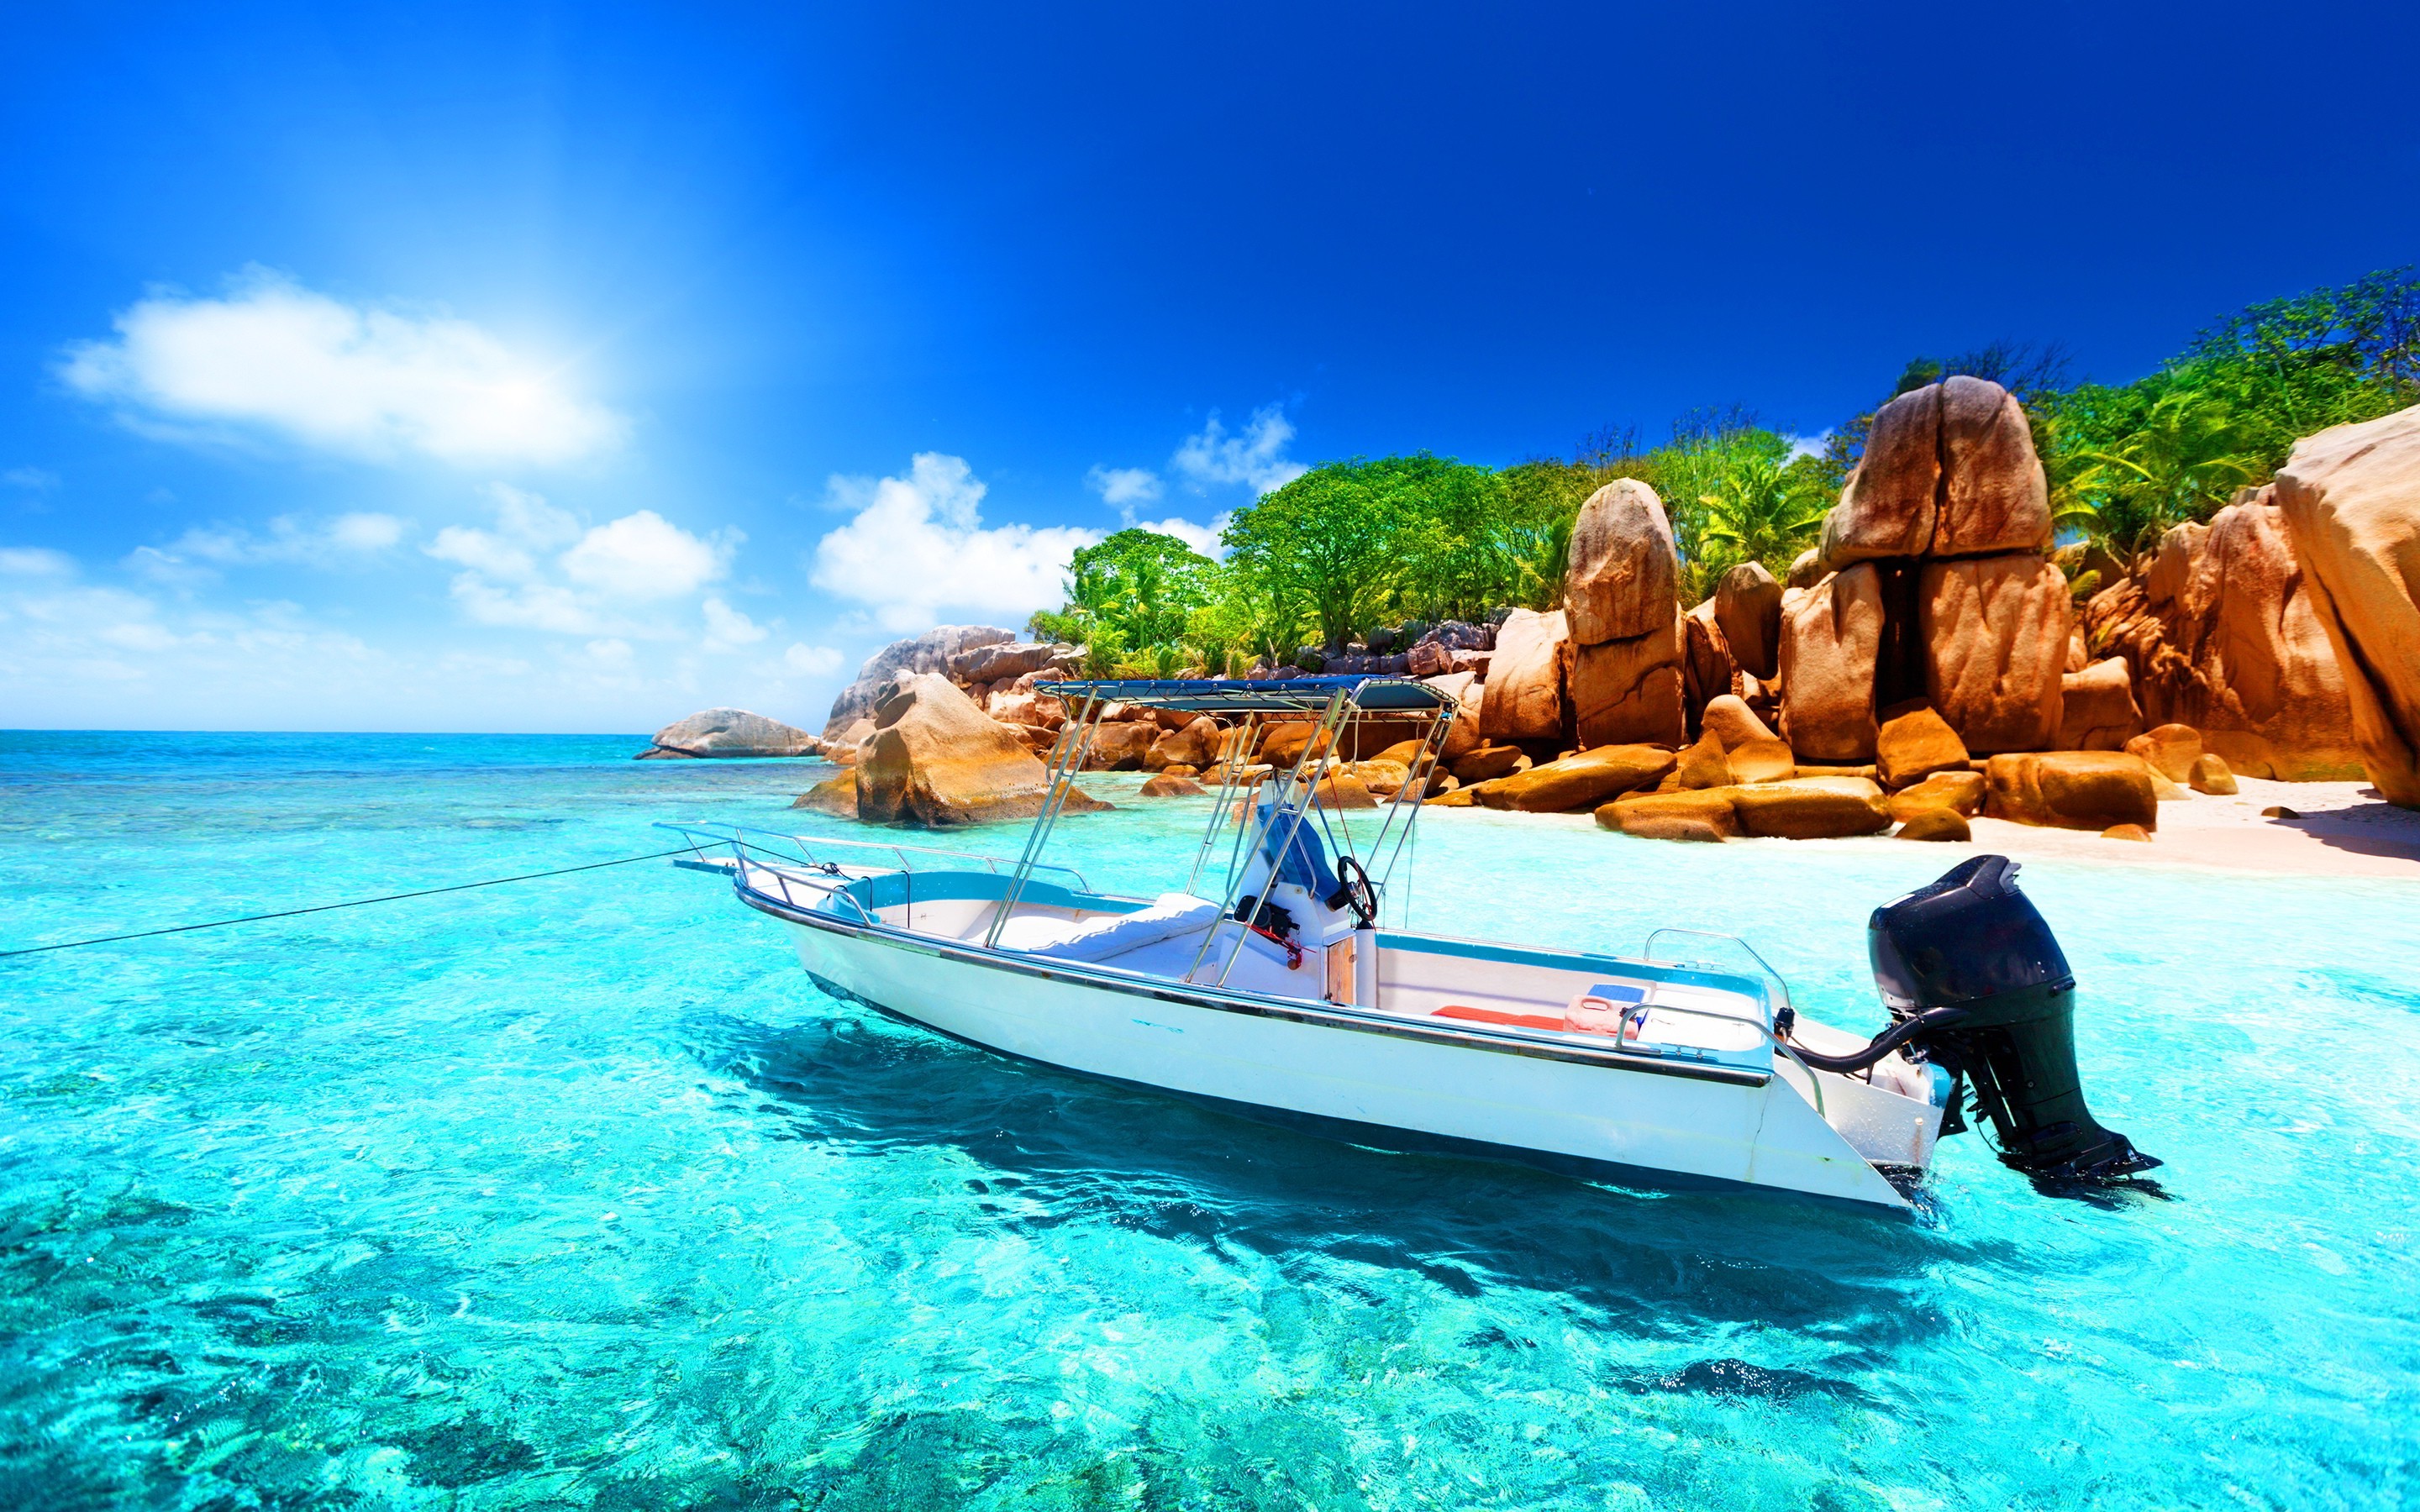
(1402, 1083)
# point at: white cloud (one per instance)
(35, 562)
(916, 547)
(727, 629)
(515, 576)
(611, 653)
(369, 382)
(1809, 445)
(33, 480)
(291, 538)
(1255, 457)
(1202, 538)
(644, 556)
(1123, 488)
(811, 661)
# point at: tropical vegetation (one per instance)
(1364, 545)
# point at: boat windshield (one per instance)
(1277, 797)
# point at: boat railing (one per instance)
(802, 848)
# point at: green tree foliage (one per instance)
(1354, 544)
(2126, 462)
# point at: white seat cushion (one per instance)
(1097, 939)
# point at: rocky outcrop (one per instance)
(1487, 762)
(1469, 696)
(1889, 504)
(1524, 682)
(2350, 498)
(1962, 792)
(2170, 750)
(1196, 744)
(1624, 575)
(1949, 511)
(928, 653)
(1995, 640)
(1748, 607)
(834, 796)
(1620, 600)
(1730, 719)
(1582, 780)
(2071, 790)
(2224, 632)
(1949, 470)
(935, 759)
(730, 733)
(1994, 497)
(1170, 785)
(995, 663)
(1809, 809)
(1120, 746)
(1831, 635)
(1708, 670)
(1936, 823)
(2097, 710)
(1914, 744)
(1628, 690)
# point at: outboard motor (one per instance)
(1976, 985)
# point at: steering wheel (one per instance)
(1358, 891)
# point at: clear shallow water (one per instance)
(576, 1193)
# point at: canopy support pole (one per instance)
(1067, 755)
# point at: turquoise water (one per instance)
(577, 1194)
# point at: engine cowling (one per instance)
(1971, 959)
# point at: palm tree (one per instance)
(2191, 452)
(1757, 512)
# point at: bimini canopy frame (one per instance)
(1330, 705)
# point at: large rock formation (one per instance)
(1830, 636)
(1994, 631)
(1949, 511)
(1620, 598)
(1524, 682)
(928, 653)
(2223, 633)
(2097, 708)
(935, 759)
(730, 733)
(2351, 499)
(995, 663)
(1628, 690)
(1748, 607)
(2071, 790)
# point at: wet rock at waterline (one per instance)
(721, 733)
(1818, 809)
(835, 796)
(935, 759)
(1166, 784)
(1577, 782)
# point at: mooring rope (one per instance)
(357, 902)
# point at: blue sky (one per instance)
(502, 367)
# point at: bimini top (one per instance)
(1223, 695)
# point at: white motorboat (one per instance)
(1269, 982)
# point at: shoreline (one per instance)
(2344, 830)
